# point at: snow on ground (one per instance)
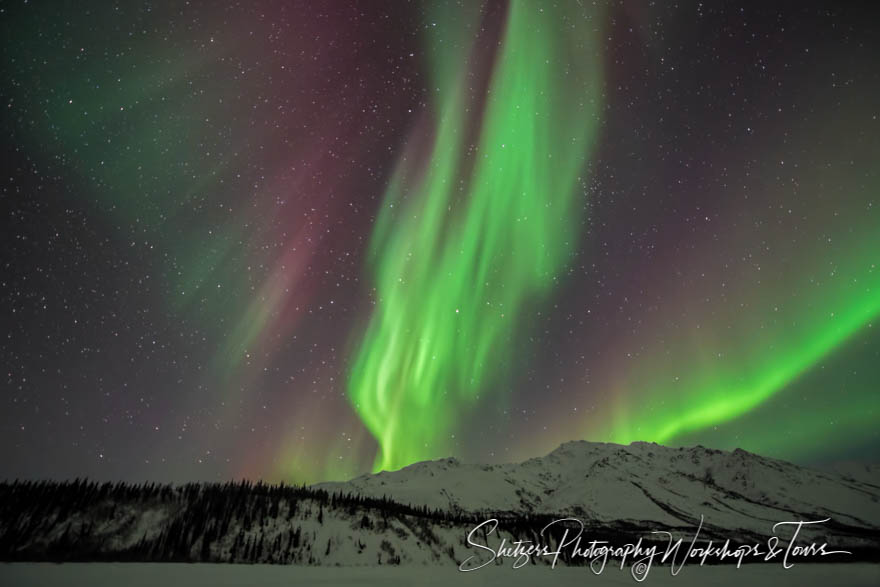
(220, 575)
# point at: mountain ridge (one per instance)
(642, 481)
(422, 514)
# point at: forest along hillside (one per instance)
(232, 522)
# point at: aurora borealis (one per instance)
(303, 241)
(462, 252)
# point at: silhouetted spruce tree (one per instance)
(247, 550)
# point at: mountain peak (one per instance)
(643, 482)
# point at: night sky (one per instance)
(306, 240)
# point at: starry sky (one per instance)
(302, 241)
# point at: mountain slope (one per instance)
(643, 483)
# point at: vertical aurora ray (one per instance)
(463, 247)
(201, 157)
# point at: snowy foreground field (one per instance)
(219, 575)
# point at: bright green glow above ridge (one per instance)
(461, 248)
(716, 377)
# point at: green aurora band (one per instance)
(769, 341)
(463, 244)
(725, 383)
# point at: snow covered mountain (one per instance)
(422, 514)
(643, 483)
